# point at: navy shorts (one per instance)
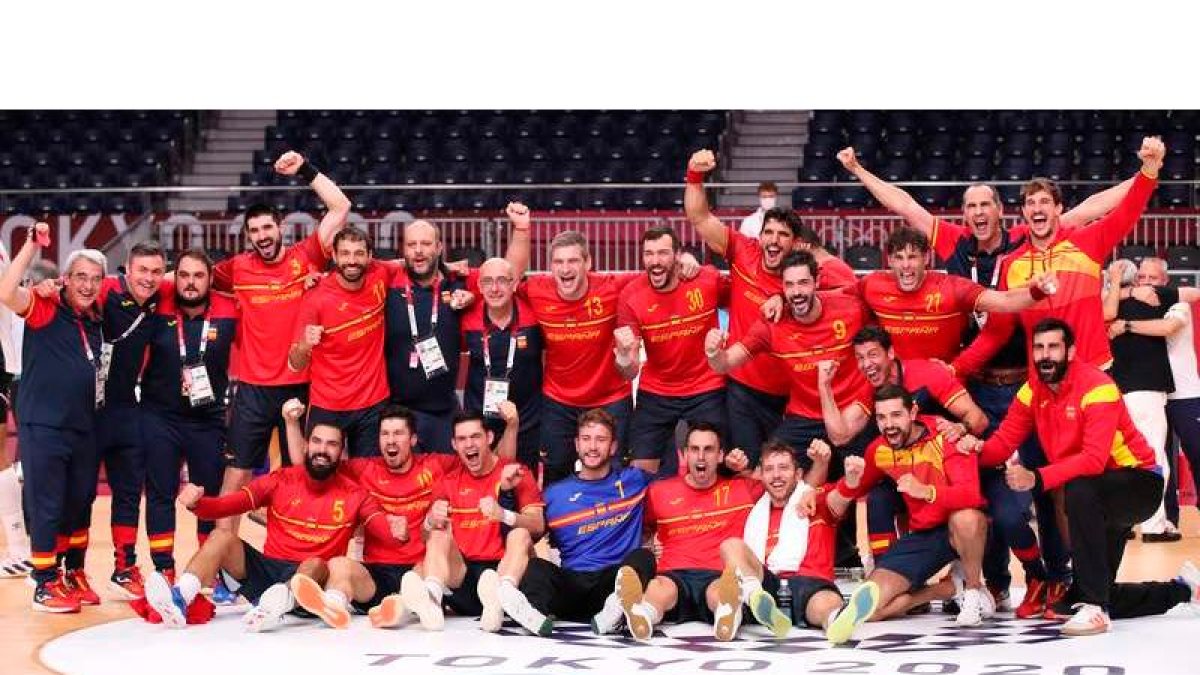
(359, 427)
(919, 555)
(754, 416)
(257, 411)
(655, 417)
(464, 601)
(387, 582)
(261, 573)
(803, 589)
(798, 432)
(692, 603)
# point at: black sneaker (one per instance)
(1160, 537)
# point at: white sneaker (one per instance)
(1088, 620)
(609, 618)
(416, 598)
(1189, 574)
(971, 608)
(516, 605)
(15, 567)
(166, 601)
(989, 603)
(268, 614)
(492, 616)
(727, 617)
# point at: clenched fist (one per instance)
(626, 343)
(511, 475)
(189, 495)
(854, 467)
(1152, 153)
(399, 527)
(439, 515)
(312, 335)
(825, 372)
(508, 412)
(490, 509)
(288, 163)
(849, 159)
(293, 410)
(819, 451)
(702, 161)
(41, 234)
(714, 342)
(518, 215)
(736, 460)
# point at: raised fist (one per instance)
(312, 335)
(189, 495)
(41, 234)
(1152, 153)
(490, 509)
(854, 466)
(736, 460)
(819, 451)
(518, 215)
(511, 475)
(825, 371)
(399, 527)
(508, 412)
(288, 163)
(293, 410)
(461, 298)
(702, 161)
(714, 342)
(439, 515)
(848, 159)
(688, 266)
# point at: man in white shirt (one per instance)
(752, 224)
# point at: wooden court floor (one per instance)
(23, 631)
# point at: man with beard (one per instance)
(313, 512)
(1107, 473)
(757, 392)
(464, 541)
(1077, 255)
(339, 338)
(691, 515)
(816, 326)
(504, 355)
(594, 519)
(940, 486)
(671, 318)
(789, 540)
(424, 336)
(268, 283)
(58, 398)
(183, 399)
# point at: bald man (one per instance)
(424, 330)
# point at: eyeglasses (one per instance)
(84, 278)
(488, 282)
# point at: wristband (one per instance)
(508, 518)
(694, 177)
(307, 172)
(1037, 293)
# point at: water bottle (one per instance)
(784, 596)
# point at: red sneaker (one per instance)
(1057, 607)
(54, 597)
(1035, 600)
(77, 581)
(128, 583)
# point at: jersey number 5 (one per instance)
(339, 511)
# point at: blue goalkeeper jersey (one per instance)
(595, 523)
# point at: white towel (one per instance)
(793, 532)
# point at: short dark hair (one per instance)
(786, 216)
(195, 254)
(809, 236)
(800, 259)
(904, 237)
(873, 333)
(330, 425)
(352, 233)
(597, 416)
(464, 416)
(703, 425)
(660, 231)
(1041, 185)
(146, 248)
(398, 412)
(1051, 324)
(774, 446)
(259, 209)
(893, 391)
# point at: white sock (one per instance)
(11, 516)
(189, 586)
(337, 598)
(436, 589)
(748, 585)
(508, 580)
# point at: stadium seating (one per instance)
(66, 149)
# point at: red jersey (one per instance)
(834, 274)
(927, 323)
(822, 537)
(1084, 428)
(1077, 257)
(932, 460)
(580, 370)
(932, 384)
(407, 494)
(691, 523)
(672, 326)
(801, 346)
(478, 537)
(347, 367)
(305, 518)
(268, 295)
(750, 286)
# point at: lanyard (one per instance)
(410, 302)
(87, 346)
(132, 327)
(512, 351)
(183, 345)
(995, 271)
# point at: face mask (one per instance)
(767, 203)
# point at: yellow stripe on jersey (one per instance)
(597, 510)
(1063, 257)
(311, 524)
(1121, 453)
(1025, 395)
(705, 514)
(811, 352)
(365, 316)
(917, 316)
(675, 321)
(1105, 393)
(578, 324)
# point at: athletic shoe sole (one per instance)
(491, 617)
(766, 612)
(729, 606)
(862, 604)
(390, 612)
(160, 597)
(311, 596)
(268, 613)
(416, 599)
(629, 590)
